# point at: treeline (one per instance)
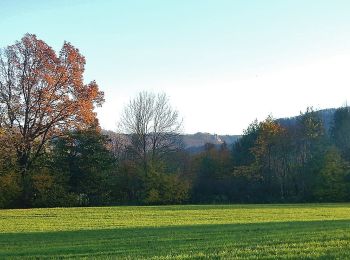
(53, 152)
(302, 162)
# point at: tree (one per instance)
(271, 158)
(331, 178)
(341, 131)
(309, 143)
(212, 178)
(241, 152)
(150, 165)
(42, 95)
(154, 127)
(84, 159)
(9, 177)
(7, 153)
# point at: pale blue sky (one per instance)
(222, 62)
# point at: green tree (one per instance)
(340, 131)
(85, 161)
(310, 142)
(10, 189)
(241, 152)
(331, 181)
(213, 173)
(165, 188)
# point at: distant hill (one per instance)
(326, 116)
(194, 143)
(200, 139)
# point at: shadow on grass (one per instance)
(284, 239)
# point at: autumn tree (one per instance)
(271, 157)
(42, 95)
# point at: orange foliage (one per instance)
(43, 94)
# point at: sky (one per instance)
(223, 63)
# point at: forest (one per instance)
(53, 152)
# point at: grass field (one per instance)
(180, 232)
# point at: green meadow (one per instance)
(178, 232)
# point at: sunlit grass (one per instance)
(222, 231)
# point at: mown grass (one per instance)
(167, 232)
